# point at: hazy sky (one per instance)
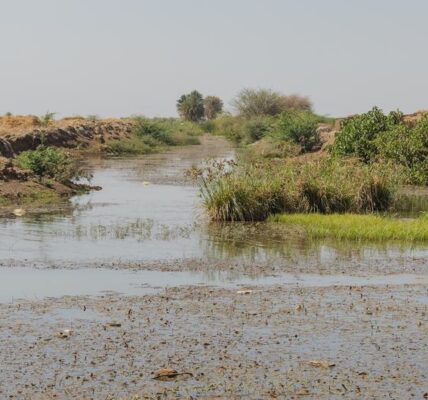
(123, 57)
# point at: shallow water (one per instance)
(34, 284)
(147, 211)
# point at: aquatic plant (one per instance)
(357, 227)
(251, 191)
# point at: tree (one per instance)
(257, 102)
(295, 102)
(213, 106)
(191, 106)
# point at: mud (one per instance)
(256, 345)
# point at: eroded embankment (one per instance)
(19, 134)
(77, 133)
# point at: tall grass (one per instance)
(357, 227)
(253, 191)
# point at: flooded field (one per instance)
(140, 281)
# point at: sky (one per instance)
(124, 57)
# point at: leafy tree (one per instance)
(257, 102)
(213, 106)
(191, 106)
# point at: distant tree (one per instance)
(295, 102)
(191, 106)
(213, 106)
(256, 102)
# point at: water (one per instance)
(33, 284)
(147, 212)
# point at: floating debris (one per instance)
(64, 334)
(19, 212)
(322, 364)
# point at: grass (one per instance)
(358, 227)
(152, 135)
(252, 191)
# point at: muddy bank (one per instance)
(20, 187)
(273, 342)
(67, 133)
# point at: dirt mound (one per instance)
(68, 133)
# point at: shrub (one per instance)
(299, 127)
(48, 162)
(212, 107)
(375, 136)
(46, 119)
(407, 146)
(358, 134)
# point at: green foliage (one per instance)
(357, 227)
(407, 146)
(253, 191)
(212, 107)
(256, 128)
(132, 146)
(299, 127)
(191, 106)
(46, 119)
(374, 136)
(358, 134)
(151, 135)
(48, 162)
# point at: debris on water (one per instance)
(303, 392)
(64, 334)
(145, 183)
(322, 364)
(114, 324)
(167, 374)
(19, 212)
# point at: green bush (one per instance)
(407, 146)
(48, 162)
(298, 127)
(375, 136)
(358, 134)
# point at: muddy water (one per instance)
(148, 212)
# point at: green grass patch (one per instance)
(153, 135)
(357, 227)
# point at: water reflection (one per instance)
(148, 211)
